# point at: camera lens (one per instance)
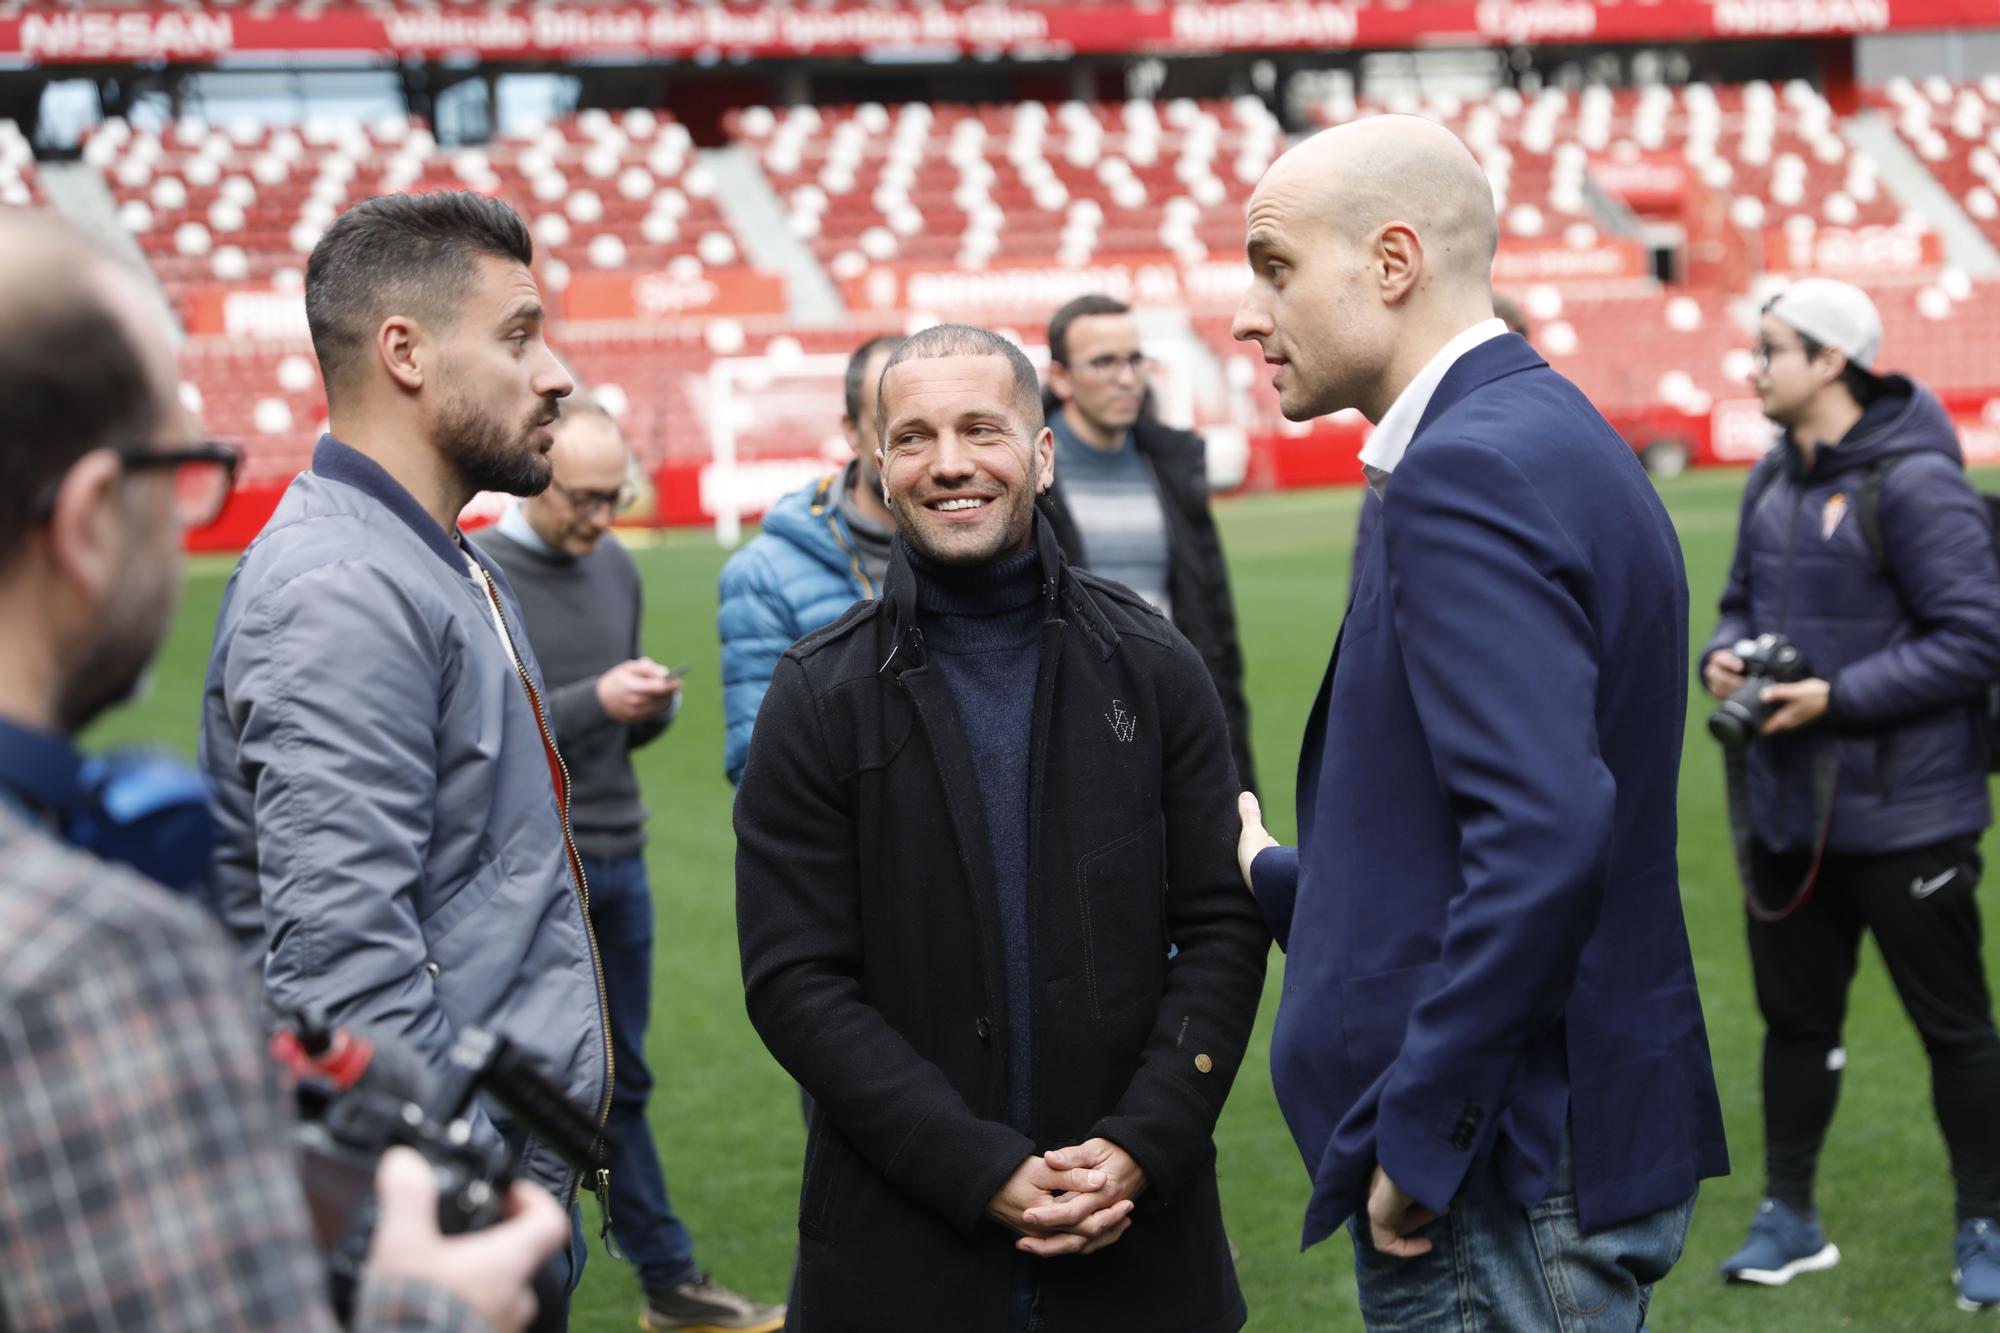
(1732, 724)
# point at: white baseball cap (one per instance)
(1833, 314)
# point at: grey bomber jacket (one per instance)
(391, 847)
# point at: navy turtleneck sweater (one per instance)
(982, 625)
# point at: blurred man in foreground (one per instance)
(1490, 1048)
(988, 911)
(822, 549)
(584, 608)
(1858, 786)
(147, 1173)
(396, 848)
(1130, 499)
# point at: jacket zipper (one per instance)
(821, 508)
(853, 557)
(602, 1184)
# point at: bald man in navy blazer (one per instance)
(1490, 1047)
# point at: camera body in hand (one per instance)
(357, 1098)
(1768, 659)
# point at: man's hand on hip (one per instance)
(492, 1270)
(1392, 1215)
(1254, 838)
(1800, 704)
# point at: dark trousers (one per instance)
(1919, 905)
(555, 1282)
(642, 1216)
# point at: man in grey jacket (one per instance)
(395, 841)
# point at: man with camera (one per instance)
(1860, 629)
(147, 1177)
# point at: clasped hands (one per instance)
(1070, 1201)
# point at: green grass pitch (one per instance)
(728, 1119)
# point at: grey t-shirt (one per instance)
(1112, 496)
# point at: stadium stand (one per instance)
(1954, 128)
(1723, 176)
(965, 185)
(239, 203)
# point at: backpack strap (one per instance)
(1868, 508)
(1762, 473)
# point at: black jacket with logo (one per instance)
(1197, 575)
(873, 969)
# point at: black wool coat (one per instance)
(1197, 574)
(873, 971)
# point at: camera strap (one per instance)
(1825, 783)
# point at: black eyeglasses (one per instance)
(586, 502)
(203, 476)
(1766, 353)
(1108, 366)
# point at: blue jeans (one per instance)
(1496, 1267)
(642, 1216)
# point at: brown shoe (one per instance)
(703, 1305)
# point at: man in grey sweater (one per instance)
(580, 594)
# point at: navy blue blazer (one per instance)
(1483, 921)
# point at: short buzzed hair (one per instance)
(1083, 307)
(857, 370)
(943, 340)
(413, 254)
(71, 375)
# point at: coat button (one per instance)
(431, 970)
(984, 1027)
(1203, 1063)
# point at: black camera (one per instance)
(1768, 659)
(358, 1097)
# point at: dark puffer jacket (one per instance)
(1907, 647)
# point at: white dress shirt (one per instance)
(1386, 444)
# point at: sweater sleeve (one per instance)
(650, 730)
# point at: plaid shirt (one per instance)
(147, 1179)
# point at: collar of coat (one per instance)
(1065, 600)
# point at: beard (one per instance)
(489, 453)
(1006, 533)
(118, 665)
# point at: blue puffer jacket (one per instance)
(1907, 648)
(800, 573)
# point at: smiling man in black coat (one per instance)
(988, 908)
